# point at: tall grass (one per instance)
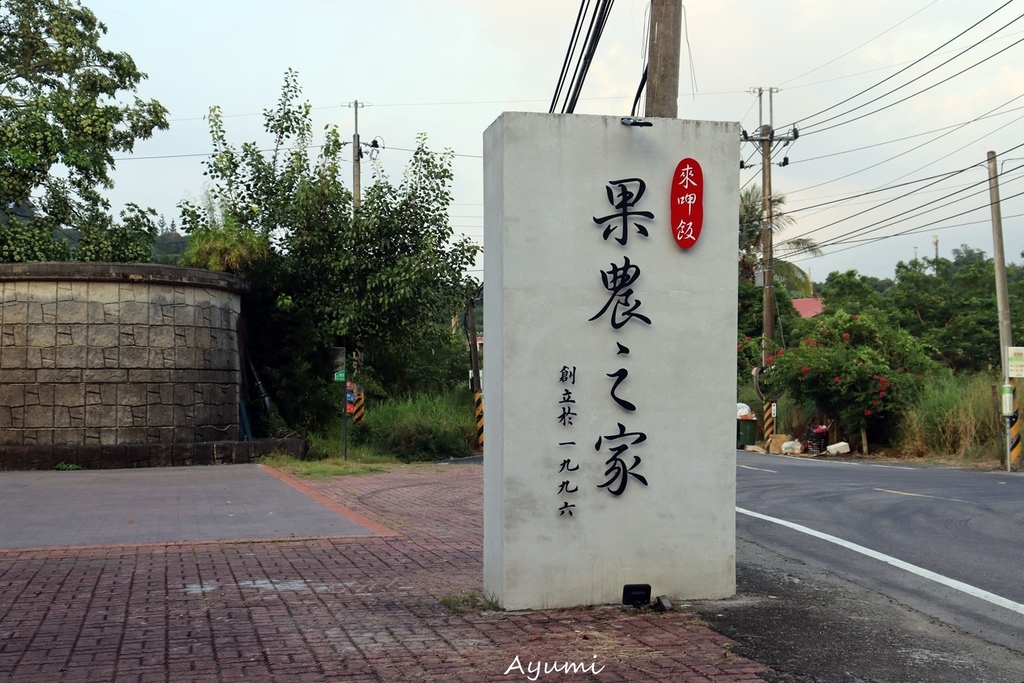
(957, 416)
(426, 427)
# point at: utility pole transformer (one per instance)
(663, 46)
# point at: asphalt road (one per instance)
(859, 571)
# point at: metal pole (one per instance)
(338, 355)
(663, 60)
(474, 360)
(474, 354)
(1009, 445)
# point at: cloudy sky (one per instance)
(897, 103)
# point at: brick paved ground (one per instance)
(325, 609)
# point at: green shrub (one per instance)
(427, 427)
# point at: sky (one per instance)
(895, 112)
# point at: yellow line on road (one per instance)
(921, 495)
(747, 467)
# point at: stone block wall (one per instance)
(95, 354)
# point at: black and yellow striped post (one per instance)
(478, 402)
(1014, 421)
(360, 405)
(769, 420)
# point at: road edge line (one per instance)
(888, 559)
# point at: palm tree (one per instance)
(787, 274)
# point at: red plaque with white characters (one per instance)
(687, 203)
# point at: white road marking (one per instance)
(900, 564)
(920, 495)
(748, 467)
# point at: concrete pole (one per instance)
(768, 269)
(768, 263)
(663, 46)
(356, 153)
(1002, 296)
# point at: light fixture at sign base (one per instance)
(636, 594)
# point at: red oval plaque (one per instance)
(687, 203)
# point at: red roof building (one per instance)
(808, 308)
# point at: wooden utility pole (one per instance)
(663, 59)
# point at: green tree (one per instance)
(127, 241)
(854, 369)
(856, 293)
(384, 283)
(951, 307)
(62, 117)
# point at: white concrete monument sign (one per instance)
(610, 271)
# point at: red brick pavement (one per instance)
(326, 609)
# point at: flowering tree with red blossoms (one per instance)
(852, 369)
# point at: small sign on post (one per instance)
(339, 356)
(1015, 361)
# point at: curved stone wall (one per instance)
(100, 354)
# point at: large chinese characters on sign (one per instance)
(610, 289)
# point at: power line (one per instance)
(903, 196)
(871, 40)
(888, 67)
(912, 95)
(914, 63)
(890, 221)
(866, 193)
(952, 127)
(843, 198)
(584, 54)
(288, 149)
(887, 160)
(568, 55)
(854, 244)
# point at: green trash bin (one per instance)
(746, 433)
